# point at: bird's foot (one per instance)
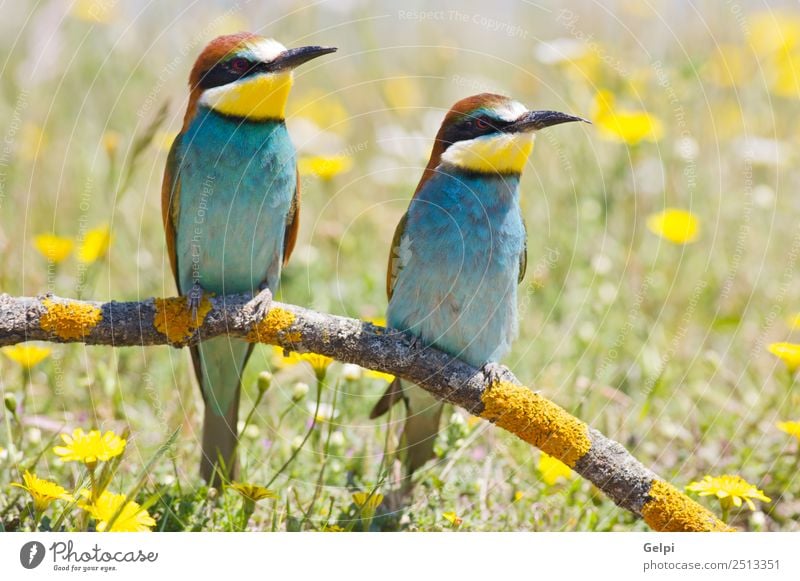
(258, 307)
(416, 344)
(195, 298)
(495, 372)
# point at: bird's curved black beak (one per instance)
(535, 120)
(295, 57)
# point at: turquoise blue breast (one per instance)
(237, 184)
(459, 260)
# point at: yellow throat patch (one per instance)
(256, 98)
(503, 153)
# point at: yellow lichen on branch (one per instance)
(537, 421)
(173, 318)
(274, 327)
(669, 510)
(69, 320)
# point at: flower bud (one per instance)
(264, 381)
(10, 401)
(299, 391)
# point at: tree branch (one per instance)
(506, 403)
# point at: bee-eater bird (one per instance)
(459, 251)
(230, 203)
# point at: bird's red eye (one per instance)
(481, 124)
(240, 65)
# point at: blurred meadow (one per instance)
(661, 304)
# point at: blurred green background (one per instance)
(658, 337)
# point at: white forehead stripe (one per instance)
(266, 50)
(510, 110)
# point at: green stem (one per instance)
(248, 419)
(305, 438)
(325, 452)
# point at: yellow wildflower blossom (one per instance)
(94, 11)
(325, 168)
(42, 491)
(366, 501)
(773, 30)
(53, 248)
(319, 363)
(789, 353)
(95, 245)
(677, 226)
(252, 492)
(332, 529)
(790, 427)
(372, 374)
(631, 127)
(731, 490)
(27, 355)
(111, 141)
(132, 519)
(784, 72)
(91, 447)
(452, 518)
(552, 469)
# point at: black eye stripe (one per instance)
(228, 71)
(470, 128)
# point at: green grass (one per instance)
(661, 347)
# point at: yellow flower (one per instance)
(372, 374)
(624, 126)
(319, 363)
(95, 245)
(132, 519)
(677, 226)
(325, 168)
(43, 492)
(94, 11)
(27, 355)
(792, 428)
(252, 492)
(789, 353)
(111, 141)
(52, 247)
(552, 469)
(366, 501)
(729, 489)
(332, 529)
(452, 518)
(91, 447)
(784, 72)
(773, 30)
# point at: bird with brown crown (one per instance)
(460, 250)
(230, 202)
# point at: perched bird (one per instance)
(459, 251)
(230, 203)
